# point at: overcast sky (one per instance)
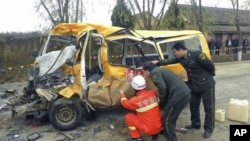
(20, 15)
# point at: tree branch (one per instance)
(60, 10)
(160, 15)
(50, 15)
(77, 10)
(133, 10)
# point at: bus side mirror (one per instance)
(35, 52)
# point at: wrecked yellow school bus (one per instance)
(82, 67)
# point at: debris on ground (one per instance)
(8, 93)
(33, 136)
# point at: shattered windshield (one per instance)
(58, 50)
(57, 42)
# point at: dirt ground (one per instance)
(231, 82)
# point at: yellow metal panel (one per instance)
(67, 92)
(178, 70)
(76, 71)
(99, 94)
(117, 72)
(76, 28)
(70, 28)
(78, 90)
(205, 48)
(105, 30)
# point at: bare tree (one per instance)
(235, 4)
(61, 11)
(144, 11)
(245, 4)
(194, 10)
(200, 17)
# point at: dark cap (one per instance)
(149, 66)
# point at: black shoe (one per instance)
(134, 139)
(161, 132)
(207, 134)
(192, 127)
(154, 137)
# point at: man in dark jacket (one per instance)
(174, 95)
(200, 71)
(211, 45)
(235, 45)
(244, 45)
(218, 45)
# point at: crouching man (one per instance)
(148, 116)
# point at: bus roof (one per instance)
(163, 33)
(76, 28)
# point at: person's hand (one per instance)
(155, 62)
(122, 94)
(121, 91)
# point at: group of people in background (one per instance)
(231, 45)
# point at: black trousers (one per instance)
(208, 99)
(228, 49)
(217, 52)
(170, 116)
(244, 49)
(235, 50)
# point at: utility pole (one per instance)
(200, 17)
(239, 32)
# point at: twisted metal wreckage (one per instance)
(82, 66)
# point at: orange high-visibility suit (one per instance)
(148, 116)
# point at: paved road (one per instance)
(232, 81)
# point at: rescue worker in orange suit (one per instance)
(174, 95)
(148, 115)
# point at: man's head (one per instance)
(148, 67)
(138, 82)
(179, 49)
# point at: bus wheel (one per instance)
(65, 114)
